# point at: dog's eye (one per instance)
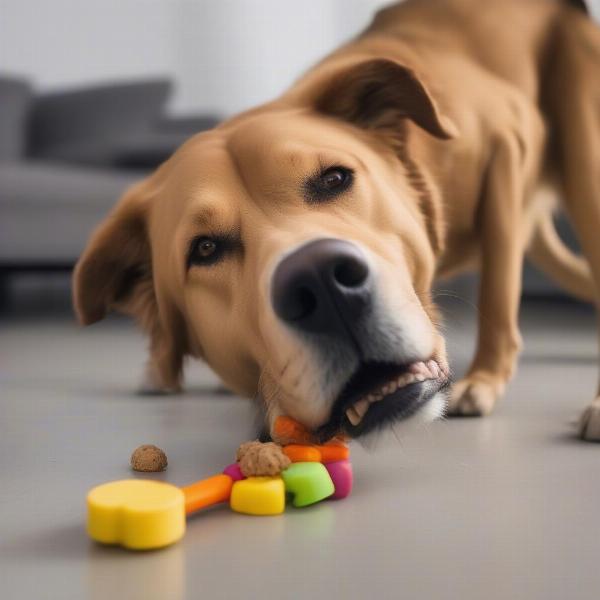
(334, 178)
(205, 251)
(328, 184)
(206, 248)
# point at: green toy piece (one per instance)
(307, 482)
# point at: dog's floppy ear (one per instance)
(115, 273)
(115, 262)
(378, 94)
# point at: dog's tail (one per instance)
(571, 100)
(550, 255)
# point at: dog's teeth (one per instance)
(393, 387)
(404, 379)
(424, 370)
(433, 368)
(353, 416)
(417, 367)
(443, 368)
(371, 398)
(361, 407)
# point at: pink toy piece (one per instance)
(234, 472)
(340, 472)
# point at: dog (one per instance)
(294, 247)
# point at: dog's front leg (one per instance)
(163, 371)
(502, 249)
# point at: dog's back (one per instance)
(509, 38)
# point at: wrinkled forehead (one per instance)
(266, 153)
(279, 147)
(254, 164)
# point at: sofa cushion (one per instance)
(47, 211)
(147, 150)
(139, 150)
(60, 121)
(15, 102)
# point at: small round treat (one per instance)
(148, 459)
(261, 460)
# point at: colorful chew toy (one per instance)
(143, 514)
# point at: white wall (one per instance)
(68, 42)
(225, 55)
(239, 53)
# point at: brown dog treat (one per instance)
(244, 448)
(149, 459)
(257, 459)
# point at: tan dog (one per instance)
(294, 246)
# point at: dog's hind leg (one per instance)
(573, 98)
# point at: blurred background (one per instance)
(95, 94)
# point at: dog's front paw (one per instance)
(473, 396)
(589, 423)
(152, 384)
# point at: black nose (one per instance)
(324, 286)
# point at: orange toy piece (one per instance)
(297, 453)
(207, 492)
(333, 452)
(324, 454)
(298, 447)
(288, 431)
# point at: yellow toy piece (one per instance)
(258, 496)
(136, 513)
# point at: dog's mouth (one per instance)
(381, 393)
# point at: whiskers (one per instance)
(398, 438)
(454, 296)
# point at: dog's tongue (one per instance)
(288, 431)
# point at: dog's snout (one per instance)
(324, 286)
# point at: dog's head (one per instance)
(293, 248)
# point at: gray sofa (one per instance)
(66, 157)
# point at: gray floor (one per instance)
(500, 508)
